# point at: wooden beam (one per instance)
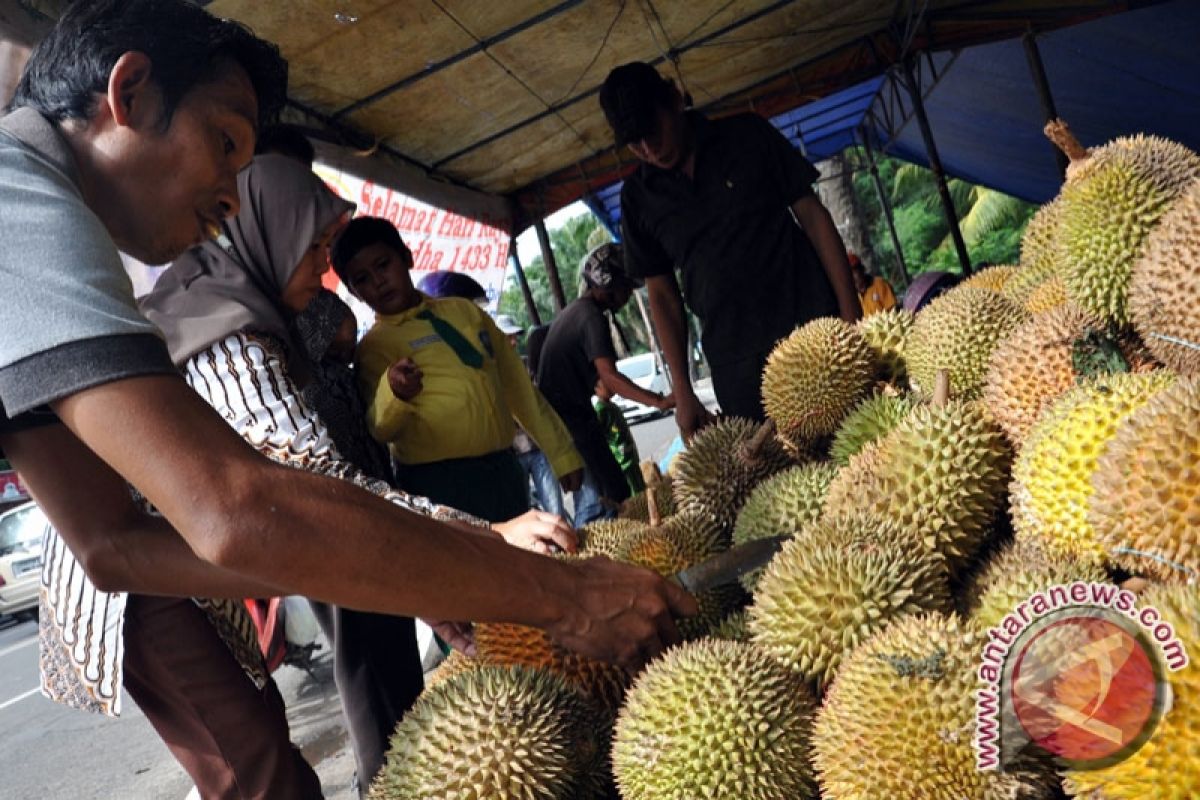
(556, 289)
(523, 282)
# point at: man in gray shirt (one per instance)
(132, 121)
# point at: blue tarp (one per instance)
(1138, 71)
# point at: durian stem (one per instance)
(753, 448)
(941, 389)
(1056, 131)
(652, 477)
(1135, 584)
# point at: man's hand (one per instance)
(665, 403)
(691, 416)
(620, 613)
(404, 377)
(459, 635)
(538, 531)
(572, 481)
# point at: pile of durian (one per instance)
(1036, 425)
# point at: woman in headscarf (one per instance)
(226, 309)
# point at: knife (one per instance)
(729, 566)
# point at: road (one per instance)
(49, 752)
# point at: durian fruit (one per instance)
(1048, 295)
(899, 720)
(993, 278)
(493, 733)
(815, 376)
(1109, 207)
(503, 644)
(1146, 505)
(638, 507)
(958, 332)
(715, 719)
(608, 537)
(1038, 363)
(871, 419)
(1164, 293)
(1039, 258)
(941, 473)
(840, 581)
(1167, 766)
(1052, 476)
(886, 332)
(454, 664)
(681, 542)
(723, 463)
(783, 505)
(734, 628)
(1014, 574)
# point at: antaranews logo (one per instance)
(1078, 671)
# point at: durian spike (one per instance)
(941, 388)
(1056, 131)
(652, 477)
(752, 449)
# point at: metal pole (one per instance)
(935, 164)
(556, 289)
(887, 207)
(1038, 70)
(530, 306)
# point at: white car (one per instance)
(21, 533)
(645, 371)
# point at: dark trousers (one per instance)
(492, 487)
(738, 386)
(377, 669)
(231, 738)
(598, 458)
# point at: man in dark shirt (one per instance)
(730, 203)
(578, 350)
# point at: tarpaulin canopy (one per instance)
(1131, 73)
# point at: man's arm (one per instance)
(818, 225)
(617, 383)
(666, 309)
(326, 539)
(118, 544)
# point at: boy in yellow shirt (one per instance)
(442, 385)
(874, 293)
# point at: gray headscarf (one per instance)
(220, 288)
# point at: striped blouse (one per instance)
(244, 378)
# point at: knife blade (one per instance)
(729, 566)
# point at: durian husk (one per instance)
(495, 732)
(1052, 476)
(503, 644)
(1039, 260)
(1145, 507)
(638, 507)
(941, 473)
(837, 583)
(734, 628)
(1167, 766)
(899, 721)
(992, 278)
(1164, 293)
(1015, 573)
(681, 542)
(1035, 366)
(1047, 296)
(887, 332)
(957, 333)
(815, 376)
(716, 719)
(716, 473)
(782, 505)
(608, 537)
(454, 664)
(871, 419)
(1109, 209)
